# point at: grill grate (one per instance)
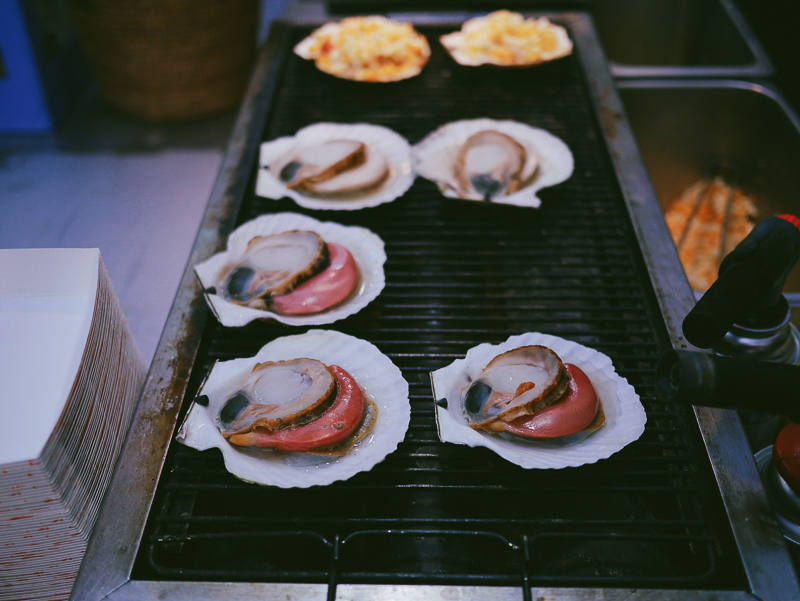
(460, 274)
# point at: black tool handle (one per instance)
(730, 383)
(751, 278)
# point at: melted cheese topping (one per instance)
(367, 49)
(507, 38)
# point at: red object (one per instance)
(786, 455)
(791, 219)
(324, 290)
(571, 413)
(334, 426)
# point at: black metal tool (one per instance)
(751, 278)
(730, 383)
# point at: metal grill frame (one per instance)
(107, 566)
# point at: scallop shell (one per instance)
(366, 248)
(454, 42)
(378, 377)
(364, 56)
(625, 415)
(435, 156)
(391, 145)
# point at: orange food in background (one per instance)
(700, 250)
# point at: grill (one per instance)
(458, 274)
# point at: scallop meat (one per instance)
(518, 382)
(488, 160)
(336, 166)
(274, 265)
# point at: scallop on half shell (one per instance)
(280, 254)
(285, 379)
(507, 39)
(519, 382)
(488, 160)
(463, 390)
(336, 166)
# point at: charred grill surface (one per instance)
(458, 274)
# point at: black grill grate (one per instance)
(459, 274)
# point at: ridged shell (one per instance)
(394, 148)
(377, 376)
(456, 43)
(435, 157)
(625, 415)
(368, 62)
(366, 247)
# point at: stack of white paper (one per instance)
(70, 375)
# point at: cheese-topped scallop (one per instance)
(507, 39)
(373, 49)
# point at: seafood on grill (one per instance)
(272, 266)
(506, 39)
(299, 405)
(577, 410)
(371, 49)
(493, 161)
(529, 392)
(336, 166)
(538, 401)
(293, 269)
(333, 167)
(306, 410)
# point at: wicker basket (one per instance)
(169, 59)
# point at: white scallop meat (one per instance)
(444, 156)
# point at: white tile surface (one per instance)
(142, 210)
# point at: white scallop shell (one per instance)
(625, 415)
(412, 64)
(390, 144)
(378, 377)
(366, 248)
(454, 42)
(435, 156)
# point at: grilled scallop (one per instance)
(350, 418)
(370, 48)
(519, 382)
(274, 265)
(505, 162)
(507, 39)
(490, 164)
(332, 167)
(320, 162)
(577, 410)
(276, 395)
(365, 176)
